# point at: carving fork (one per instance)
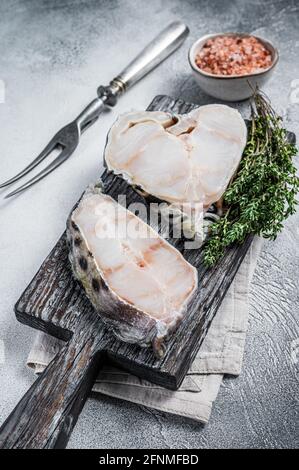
(68, 137)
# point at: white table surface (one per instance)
(54, 54)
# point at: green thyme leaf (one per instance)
(263, 193)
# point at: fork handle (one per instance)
(152, 55)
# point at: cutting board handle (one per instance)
(47, 413)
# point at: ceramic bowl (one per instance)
(230, 87)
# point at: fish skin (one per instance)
(128, 323)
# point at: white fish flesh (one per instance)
(137, 281)
(182, 159)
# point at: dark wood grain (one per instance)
(47, 413)
(55, 303)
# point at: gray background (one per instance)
(53, 56)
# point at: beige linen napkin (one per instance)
(221, 353)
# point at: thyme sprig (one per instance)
(263, 192)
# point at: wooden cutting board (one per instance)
(55, 303)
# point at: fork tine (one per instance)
(65, 153)
(48, 149)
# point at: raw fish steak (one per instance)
(180, 159)
(137, 281)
